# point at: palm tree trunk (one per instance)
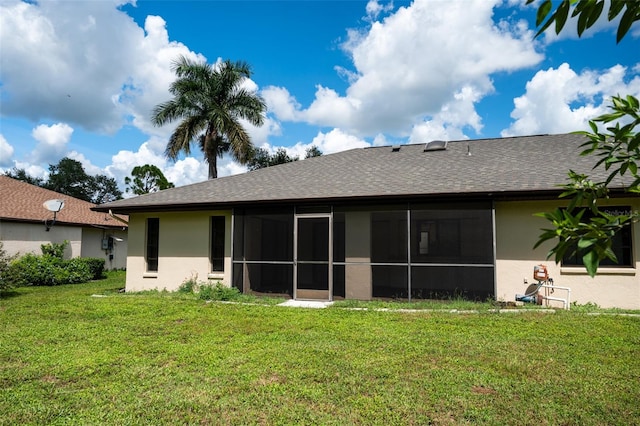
(213, 166)
(210, 151)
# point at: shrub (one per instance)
(32, 269)
(5, 261)
(54, 249)
(95, 265)
(189, 286)
(218, 292)
(47, 270)
(75, 271)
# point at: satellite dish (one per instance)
(53, 205)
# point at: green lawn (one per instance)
(69, 358)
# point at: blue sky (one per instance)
(79, 78)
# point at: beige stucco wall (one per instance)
(92, 247)
(21, 238)
(517, 230)
(183, 251)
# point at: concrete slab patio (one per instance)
(306, 304)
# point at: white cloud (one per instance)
(413, 62)
(335, 141)
(52, 142)
(90, 168)
(374, 9)
(281, 103)
(182, 172)
(32, 169)
(561, 100)
(187, 171)
(6, 152)
(89, 64)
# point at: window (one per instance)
(620, 244)
(217, 243)
(263, 250)
(389, 237)
(454, 233)
(153, 233)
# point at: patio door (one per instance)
(312, 257)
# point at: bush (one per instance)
(75, 271)
(47, 270)
(5, 261)
(189, 286)
(95, 265)
(54, 249)
(218, 292)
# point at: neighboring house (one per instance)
(418, 221)
(90, 234)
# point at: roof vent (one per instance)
(395, 148)
(435, 146)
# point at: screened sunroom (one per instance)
(407, 251)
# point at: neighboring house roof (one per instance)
(21, 201)
(501, 167)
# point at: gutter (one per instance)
(119, 219)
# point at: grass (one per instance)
(159, 358)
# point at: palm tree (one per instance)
(210, 101)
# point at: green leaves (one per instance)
(146, 179)
(576, 233)
(618, 152)
(588, 12)
(210, 102)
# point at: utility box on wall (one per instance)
(107, 243)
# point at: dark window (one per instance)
(339, 281)
(270, 278)
(267, 236)
(217, 243)
(338, 237)
(263, 250)
(620, 244)
(454, 234)
(389, 237)
(153, 234)
(389, 281)
(445, 282)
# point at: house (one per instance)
(411, 221)
(26, 224)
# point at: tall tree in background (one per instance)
(103, 189)
(260, 158)
(146, 179)
(210, 102)
(69, 177)
(313, 151)
(583, 227)
(21, 174)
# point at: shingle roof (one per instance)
(525, 164)
(20, 201)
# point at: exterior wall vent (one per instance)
(435, 146)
